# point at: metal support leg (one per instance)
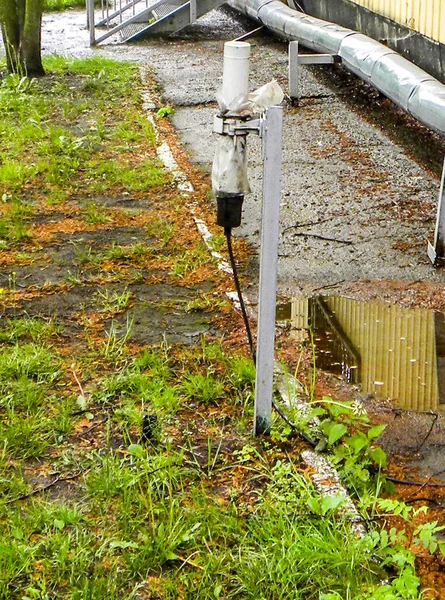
(436, 252)
(193, 11)
(90, 21)
(293, 69)
(272, 142)
(295, 60)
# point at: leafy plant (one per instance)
(165, 111)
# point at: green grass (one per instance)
(203, 387)
(30, 360)
(13, 215)
(189, 261)
(32, 328)
(54, 133)
(162, 230)
(113, 301)
(119, 172)
(27, 372)
(86, 255)
(60, 5)
(95, 214)
(13, 225)
(57, 5)
(149, 511)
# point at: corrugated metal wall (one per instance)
(397, 348)
(425, 16)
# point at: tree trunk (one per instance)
(21, 29)
(30, 49)
(10, 22)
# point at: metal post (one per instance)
(436, 253)
(296, 60)
(193, 11)
(293, 69)
(272, 139)
(90, 21)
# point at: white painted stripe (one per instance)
(223, 265)
(166, 156)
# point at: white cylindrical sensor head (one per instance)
(235, 71)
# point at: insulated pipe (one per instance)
(408, 86)
(235, 71)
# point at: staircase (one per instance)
(134, 19)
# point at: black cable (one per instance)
(228, 234)
(286, 419)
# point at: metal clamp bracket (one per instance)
(237, 126)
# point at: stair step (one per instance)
(131, 29)
(161, 18)
(164, 10)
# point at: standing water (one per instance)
(392, 352)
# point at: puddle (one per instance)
(392, 352)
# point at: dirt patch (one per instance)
(160, 313)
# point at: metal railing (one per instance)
(114, 15)
(134, 18)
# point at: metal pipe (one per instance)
(408, 86)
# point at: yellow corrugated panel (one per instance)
(425, 16)
(397, 350)
(403, 11)
(397, 347)
(442, 22)
(439, 17)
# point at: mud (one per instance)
(158, 312)
(151, 322)
(72, 255)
